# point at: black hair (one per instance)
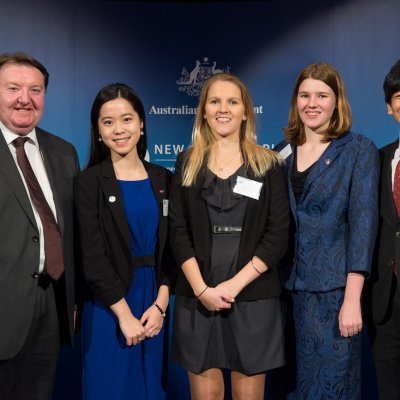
(391, 85)
(98, 150)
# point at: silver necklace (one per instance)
(221, 169)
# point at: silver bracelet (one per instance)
(259, 273)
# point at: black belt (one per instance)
(139, 261)
(226, 229)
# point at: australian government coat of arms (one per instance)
(192, 81)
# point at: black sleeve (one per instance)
(180, 232)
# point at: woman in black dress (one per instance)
(229, 227)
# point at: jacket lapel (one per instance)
(326, 160)
(289, 165)
(11, 174)
(52, 167)
(199, 215)
(252, 207)
(388, 210)
(113, 199)
(158, 184)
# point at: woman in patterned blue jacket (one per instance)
(332, 176)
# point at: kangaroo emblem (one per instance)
(195, 72)
(192, 81)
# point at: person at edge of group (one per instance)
(385, 294)
(122, 212)
(332, 175)
(229, 220)
(37, 171)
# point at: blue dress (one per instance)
(111, 370)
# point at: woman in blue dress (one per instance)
(332, 176)
(122, 207)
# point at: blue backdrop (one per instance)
(166, 50)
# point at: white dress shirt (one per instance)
(35, 158)
(396, 159)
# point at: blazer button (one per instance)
(35, 239)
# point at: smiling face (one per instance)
(119, 127)
(21, 97)
(394, 106)
(316, 103)
(224, 109)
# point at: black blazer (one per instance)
(107, 258)
(264, 231)
(388, 243)
(19, 249)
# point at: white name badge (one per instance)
(286, 152)
(165, 208)
(247, 187)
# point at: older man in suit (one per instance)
(386, 275)
(37, 170)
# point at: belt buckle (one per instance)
(222, 229)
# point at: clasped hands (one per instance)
(220, 297)
(135, 330)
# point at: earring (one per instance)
(141, 132)
(100, 139)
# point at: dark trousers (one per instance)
(29, 375)
(386, 349)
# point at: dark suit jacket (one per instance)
(19, 244)
(388, 244)
(104, 232)
(264, 231)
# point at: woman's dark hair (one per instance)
(98, 150)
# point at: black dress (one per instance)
(248, 338)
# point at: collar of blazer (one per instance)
(327, 159)
(387, 208)
(156, 175)
(51, 162)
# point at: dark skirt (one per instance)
(248, 338)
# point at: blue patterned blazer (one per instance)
(336, 219)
